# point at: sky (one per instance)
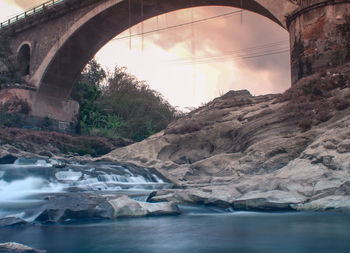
(194, 63)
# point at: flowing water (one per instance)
(24, 184)
(197, 230)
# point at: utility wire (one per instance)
(142, 30)
(236, 58)
(130, 45)
(251, 52)
(179, 25)
(238, 51)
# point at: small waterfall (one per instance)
(68, 175)
(112, 178)
(20, 189)
(25, 184)
(157, 178)
(18, 197)
(130, 178)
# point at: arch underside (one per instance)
(58, 78)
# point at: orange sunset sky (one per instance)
(193, 64)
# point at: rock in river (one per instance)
(126, 207)
(74, 206)
(10, 247)
(12, 221)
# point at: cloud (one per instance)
(26, 4)
(230, 38)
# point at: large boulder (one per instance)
(74, 206)
(221, 196)
(268, 201)
(7, 158)
(125, 207)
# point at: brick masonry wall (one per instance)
(317, 42)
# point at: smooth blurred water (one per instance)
(24, 184)
(195, 232)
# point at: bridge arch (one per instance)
(66, 59)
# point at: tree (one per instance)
(86, 91)
(144, 110)
(119, 105)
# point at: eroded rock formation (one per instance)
(288, 151)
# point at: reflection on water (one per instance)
(203, 232)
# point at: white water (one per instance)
(68, 175)
(123, 179)
(157, 178)
(21, 189)
(29, 162)
(24, 184)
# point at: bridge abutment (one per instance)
(35, 108)
(319, 36)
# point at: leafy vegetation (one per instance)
(119, 105)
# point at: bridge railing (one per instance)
(31, 12)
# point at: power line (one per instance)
(237, 57)
(142, 31)
(179, 25)
(238, 51)
(240, 54)
(129, 3)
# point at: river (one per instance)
(198, 230)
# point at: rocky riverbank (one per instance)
(16, 142)
(272, 152)
(287, 151)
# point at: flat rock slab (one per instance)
(330, 203)
(126, 207)
(12, 221)
(10, 247)
(268, 201)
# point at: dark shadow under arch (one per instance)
(23, 60)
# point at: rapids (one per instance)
(25, 184)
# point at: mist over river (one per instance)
(28, 184)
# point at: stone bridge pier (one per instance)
(53, 45)
(319, 36)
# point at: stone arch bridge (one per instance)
(53, 42)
